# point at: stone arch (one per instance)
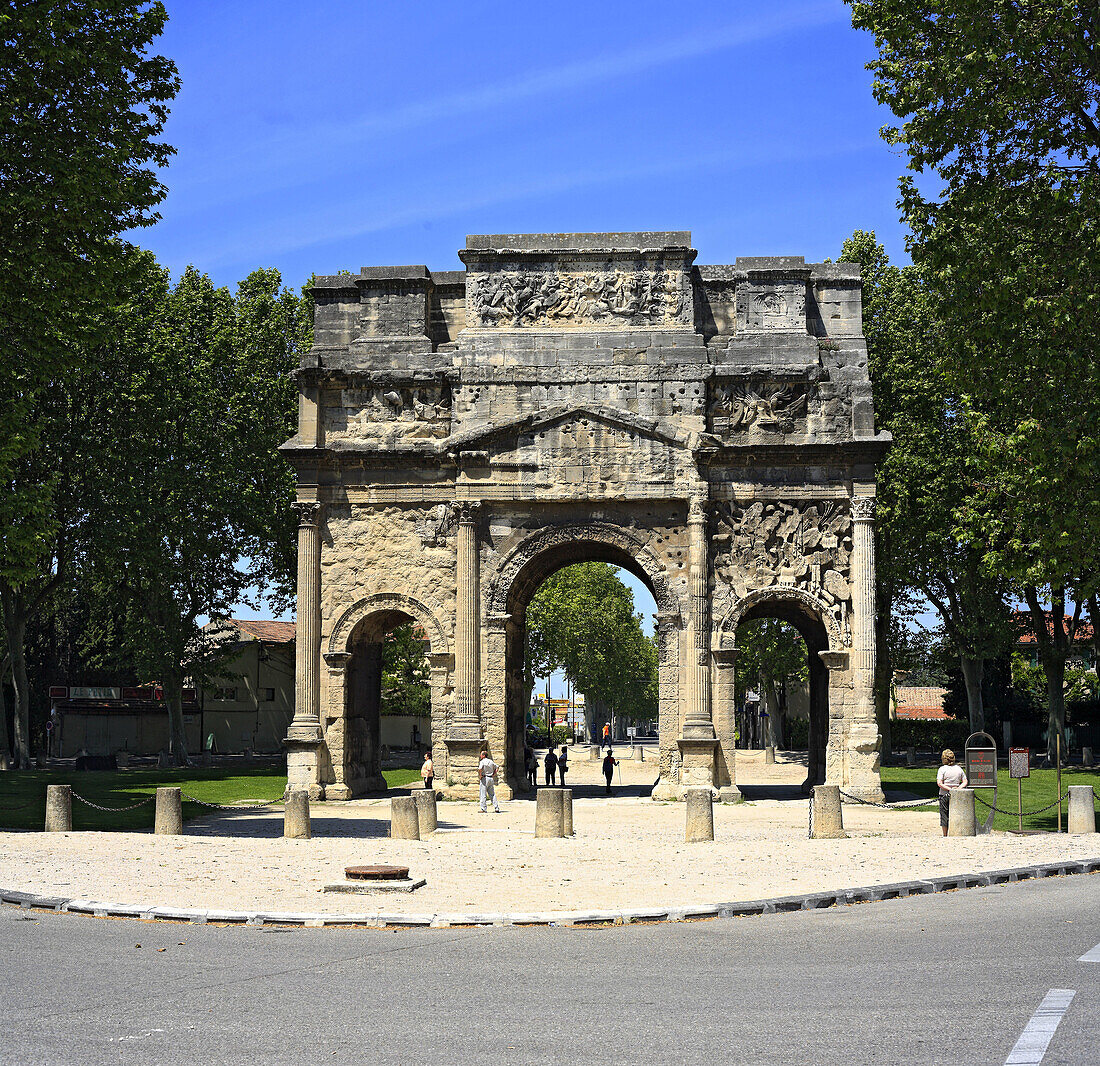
(528, 545)
(386, 601)
(779, 594)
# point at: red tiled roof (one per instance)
(1027, 634)
(920, 702)
(265, 629)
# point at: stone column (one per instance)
(303, 739)
(464, 735)
(698, 742)
(858, 751)
(467, 721)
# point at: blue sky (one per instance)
(327, 136)
(333, 135)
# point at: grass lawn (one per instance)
(23, 793)
(1039, 790)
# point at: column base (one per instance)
(697, 755)
(303, 765)
(730, 794)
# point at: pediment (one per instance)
(605, 420)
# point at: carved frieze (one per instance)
(392, 411)
(805, 546)
(777, 306)
(436, 525)
(768, 407)
(519, 298)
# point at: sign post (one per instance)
(1019, 767)
(981, 770)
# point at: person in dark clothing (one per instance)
(551, 765)
(563, 764)
(531, 763)
(609, 764)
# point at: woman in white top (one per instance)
(949, 778)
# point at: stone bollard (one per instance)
(427, 816)
(404, 819)
(911, 756)
(296, 816)
(168, 820)
(961, 818)
(567, 812)
(59, 808)
(1086, 757)
(639, 753)
(828, 816)
(699, 808)
(594, 753)
(550, 813)
(1082, 811)
(769, 756)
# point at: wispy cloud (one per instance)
(276, 162)
(374, 214)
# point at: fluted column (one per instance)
(697, 719)
(467, 721)
(306, 725)
(863, 601)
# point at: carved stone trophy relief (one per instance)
(768, 407)
(423, 411)
(549, 298)
(773, 543)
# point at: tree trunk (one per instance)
(177, 741)
(1055, 670)
(5, 750)
(775, 716)
(884, 671)
(972, 670)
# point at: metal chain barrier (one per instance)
(113, 810)
(1026, 814)
(811, 833)
(231, 806)
(891, 806)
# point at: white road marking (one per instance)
(1039, 1031)
(1091, 956)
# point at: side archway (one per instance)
(384, 602)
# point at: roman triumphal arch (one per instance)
(582, 396)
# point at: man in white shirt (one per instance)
(487, 782)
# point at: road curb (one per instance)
(577, 919)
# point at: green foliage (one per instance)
(581, 620)
(406, 675)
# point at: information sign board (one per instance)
(981, 767)
(1019, 762)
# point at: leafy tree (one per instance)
(771, 657)
(82, 103)
(1002, 101)
(200, 515)
(405, 672)
(581, 620)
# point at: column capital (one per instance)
(697, 510)
(337, 660)
(468, 511)
(863, 508)
(308, 512)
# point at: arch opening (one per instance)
(811, 689)
(385, 673)
(520, 742)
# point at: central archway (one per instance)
(528, 561)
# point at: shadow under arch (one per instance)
(352, 723)
(820, 632)
(526, 561)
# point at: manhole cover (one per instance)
(376, 873)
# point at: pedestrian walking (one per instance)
(531, 764)
(949, 778)
(609, 764)
(606, 735)
(551, 765)
(563, 764)
(487, 782)
(427, 771)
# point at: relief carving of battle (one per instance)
(807, 546)
(393, 412)
(550, 298)
(769, 407)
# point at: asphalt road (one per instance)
(950, 978)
